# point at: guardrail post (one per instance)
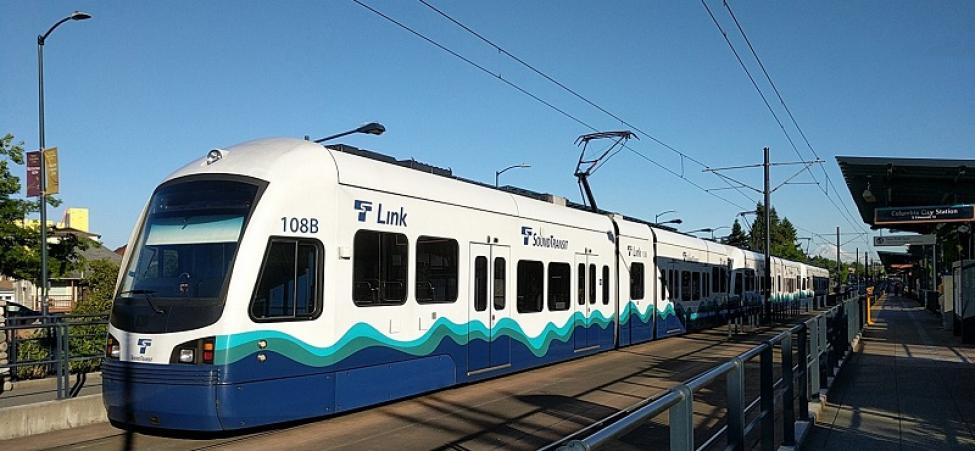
(803, 372)
(788, 405)
(823, 351)
(767, 397)
(65, 358)
(736, 405)
(682, 421)
(54, 329)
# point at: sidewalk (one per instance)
(912, 386)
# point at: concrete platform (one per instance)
(521, 411)
(911, 387)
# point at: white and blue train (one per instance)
(281, 279)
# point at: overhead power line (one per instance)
(843, 211)
(547, 103)
(563, 86)
(785, 106)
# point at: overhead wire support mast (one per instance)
(767, 192)
(585, 168)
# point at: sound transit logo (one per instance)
(537, 240)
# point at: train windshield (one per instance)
(188, 241)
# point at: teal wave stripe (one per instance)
(362, 336)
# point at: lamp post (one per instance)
(41, 39)
(672, 221)
(372, 128)
(709, 229)
(656, 217)
(497, 174)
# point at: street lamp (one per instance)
(497, 174)
(709, 229)
(656, 218)
(672, 221)
(41, 39)
(372, 128)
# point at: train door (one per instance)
(486, 347)
(583, 334)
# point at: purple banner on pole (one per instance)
(33, 174)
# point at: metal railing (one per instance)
(49, 345)
(823, 342)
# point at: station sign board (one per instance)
(920, 215)
(904, 240)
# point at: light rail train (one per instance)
(281, 279)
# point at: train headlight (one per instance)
(186, 355)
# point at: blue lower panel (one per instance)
(159, 404)
(250, 404)
(375, 384)
(668, 325)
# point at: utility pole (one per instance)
(857, 254)
(766, 191)
(768, 237)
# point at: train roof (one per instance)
(272, 158)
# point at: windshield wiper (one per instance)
(147, 294)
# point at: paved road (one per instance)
(521, 411)
(911, 387)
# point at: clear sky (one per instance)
(143, 88)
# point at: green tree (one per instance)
(737, 238)
(19, 242)
(99, 289)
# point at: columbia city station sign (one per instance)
(915, 215)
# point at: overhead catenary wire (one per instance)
(785, 106)
(566, 88)
(543, 101)
(844, 210)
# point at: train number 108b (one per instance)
(296, 225)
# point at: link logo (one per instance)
(364, 207)
(396, 218)
(533, 239)
(144, 344)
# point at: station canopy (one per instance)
(897, 262)
(882, 182)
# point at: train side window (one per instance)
(716, 279)
(480, 283)
(706, 284)
(685, 286)
(531, 279)
(289, 286)
(673, 284)
(436, 270)
(724, 280)
(581, 285)
(636, 281)
(778, 283)
(559, 286)
(696, 282)
(379, 268)
(592, 283)
(500, 266)
(605, 285)
(738, 284)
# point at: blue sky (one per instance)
(143, 88)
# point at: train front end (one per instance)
(159, 368)
(184, 289)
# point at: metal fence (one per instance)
(823, 342)
(57, 345)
